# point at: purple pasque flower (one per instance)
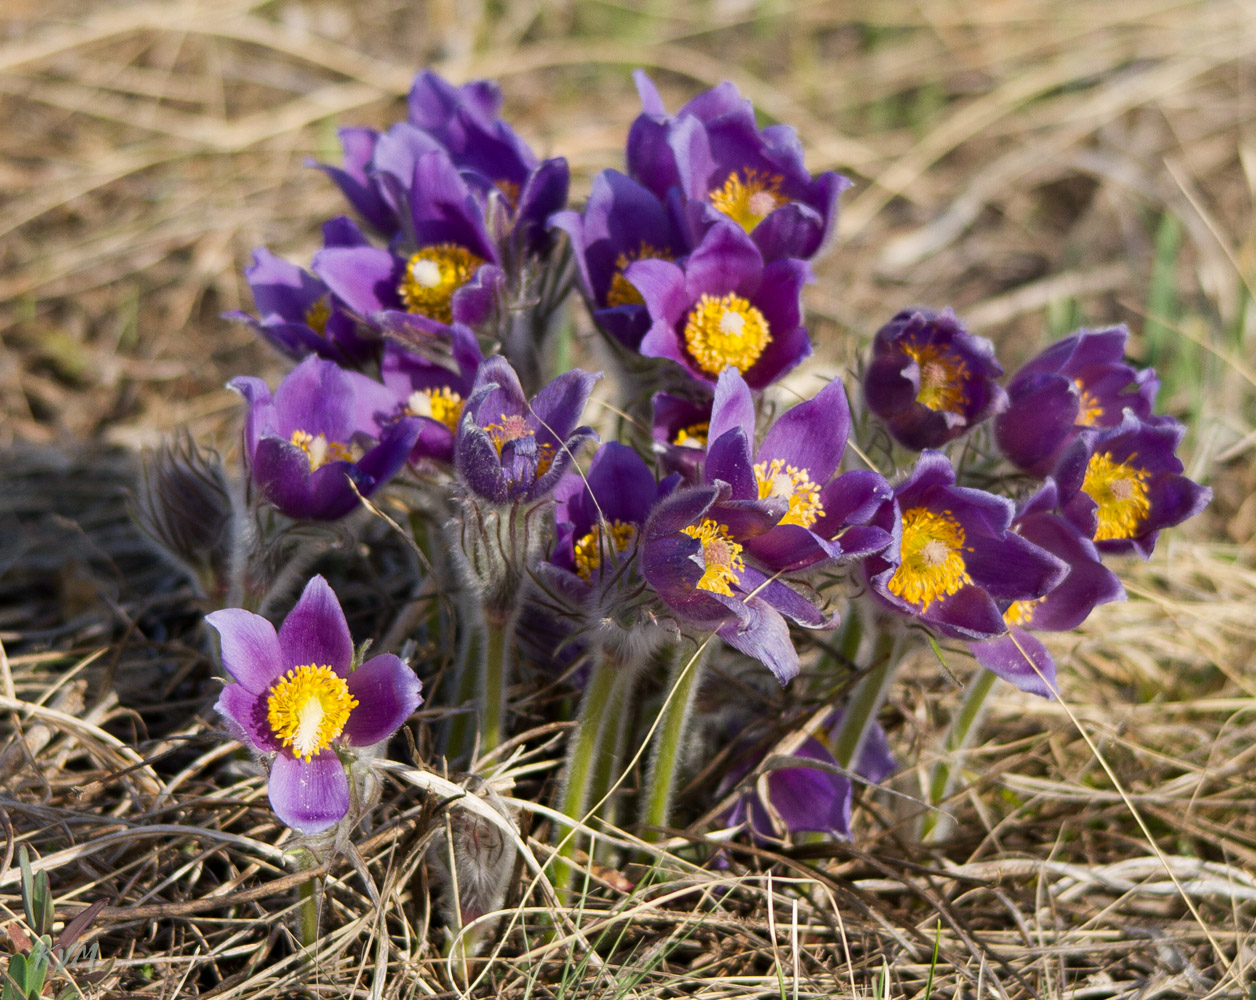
(622, 222)
(694, 559)
(510, 450)
(298, 314)
(793, 511)
(1122, 485)
(930, 380)
(1018, 656)
(954, 560)
(357, 181)
(728, 168)
(297, 699)
(788, 799)
(1078, 382)
(433, 388)
(679, 428)
(441, 269)
(722, 306)
(319, 432)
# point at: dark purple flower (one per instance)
(954, 559)
(357, 181)
(298, 313)
(317, 434)
(792, 511)
(722, 306)
(680, 429)
(508, 449)
(1078, 382)
(788, 800)
(694, 561)
(297, 698)
(433, 389)
(1018, 656)
(622, 222)
(930, 380)
(713, 151)
(1122, 485)
(442, 269)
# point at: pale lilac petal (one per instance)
(309, 797)
(250, 648)
(387, 692)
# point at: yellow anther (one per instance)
(748, 197)
(622, 292)
(787, 482)
(441, 404)
(932, 561)
(618, 535)
(725, 331)
(308, 707)
(693, 436)
(1120, 490)
(721, 556)
(320, 451)
(432, 277)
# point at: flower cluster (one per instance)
(721, 508)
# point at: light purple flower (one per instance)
(318, 433)
(722, 306)
(930, 380)
(508, 449)
(1078, 382)
(296, 699)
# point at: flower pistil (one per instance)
(932, 557)
(308, 707)
(942, 376)
(1120, 490)
(748, 202)
(721, 556)
(432, 277)
(725, 331)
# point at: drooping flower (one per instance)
(727, 168)
(793, 512)
(1018, 656)
(508, 449)
(621, 223)
(1078, 382)
(722, 306)
(788, 800)
(316, 434)
(696, 563)
(1121, 486)
(298, 701)
(954, 558)
(930, 380)
(433, 390)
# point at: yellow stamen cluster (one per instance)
(317, 315)
(514, 427)
(433, 275)
(693, 436)
(942, 377)
(1089, 411)
(787, 482)
(622, 292)
(618, 535)
(1120, 490)
(320, 451)
(932, 563)
(748, 197)
(308, 707)
(1021, 612)
(721, 556)
(441, 404)
(725, 331)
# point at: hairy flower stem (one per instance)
(607, 772)
(587, 748)
(499, 632)
(935, 825)
(865, 701)
(460, 739)
(669, 743)
(307, 896)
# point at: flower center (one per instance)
(433, 275)
(932, 563)
(1120, 490)
(1022, 612)
(622, 292)
(307, 708)
(1089, 409)
(693, 436)
(589, 547)
(440, 404)
(786, 482)
(748, 202)
(515, 427)
(721, 556)
(317, 315)
(942, 377)
(320, 451)
(725, 331)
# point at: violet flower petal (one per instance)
(316, 632)
(309, 797)
(387, 692)
(250, 648)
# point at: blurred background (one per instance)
(1036, 164)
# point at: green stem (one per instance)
(958, 738)
(607, 772)
(307, 894)
(865, 701)
(669, 744)
(495, 668)
(462, 726)
(588, 747)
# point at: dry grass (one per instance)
(1014, 159)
